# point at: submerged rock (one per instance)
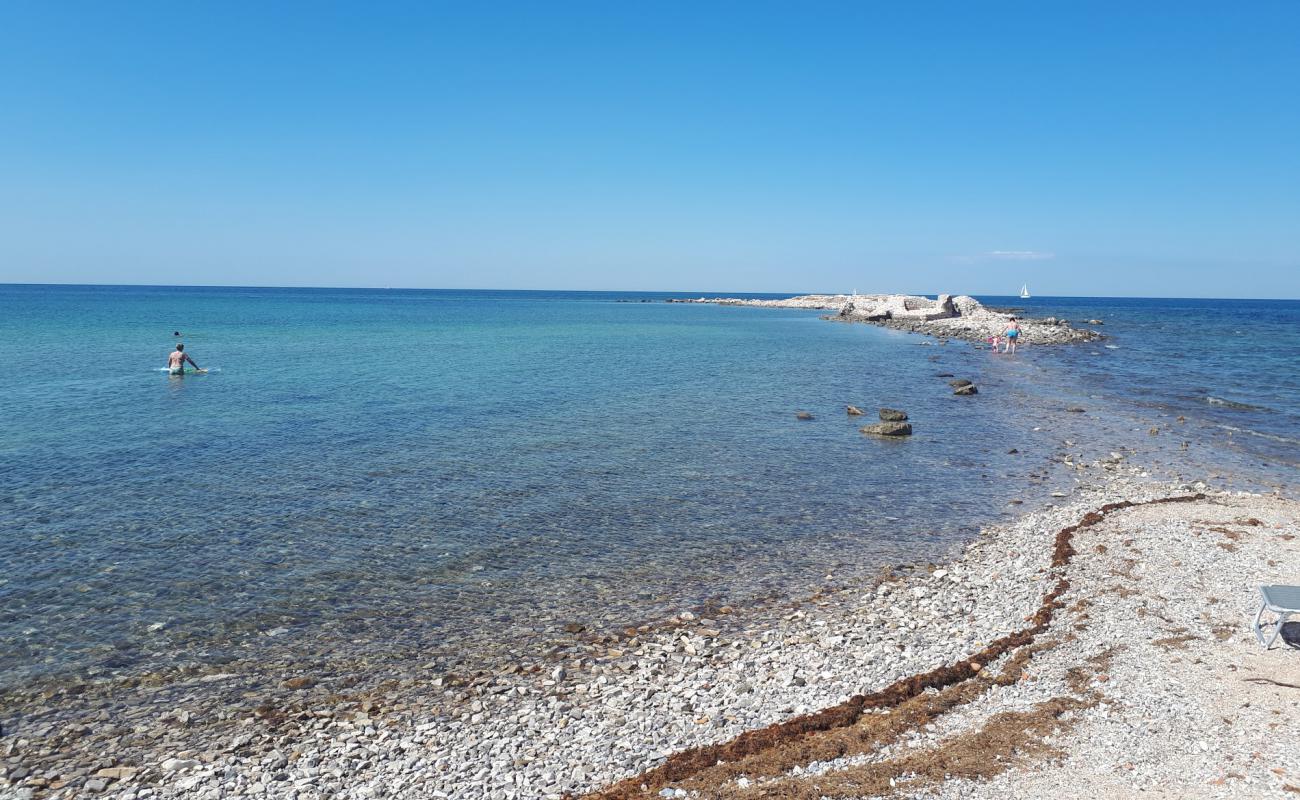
(802, 415)
(960, 382)
(966, 390)
(888, 429)
(892, 415)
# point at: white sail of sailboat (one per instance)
(1024, 292)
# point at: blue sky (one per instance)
(1087, 148)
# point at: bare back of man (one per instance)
(176, 361)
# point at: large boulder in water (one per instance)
(892, 415)
(888, 429)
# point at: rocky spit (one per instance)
(945, 317)
(1145, 680)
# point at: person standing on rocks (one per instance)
(1012, 333)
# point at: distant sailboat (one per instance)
(1024, 292)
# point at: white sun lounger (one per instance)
(1280, 600)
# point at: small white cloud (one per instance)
(1021, 255)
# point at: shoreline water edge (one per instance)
(1100, 642)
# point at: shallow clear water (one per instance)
(1234, 364)
(393, 464)
(432, 471)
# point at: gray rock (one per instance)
(966, 390)
(802, 415)
(888, 429)
(960, 382)
(892, 415)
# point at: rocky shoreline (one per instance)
(945, 317)
(1112, 688)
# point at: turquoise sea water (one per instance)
(440, 472)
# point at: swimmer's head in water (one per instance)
(176, 333)
(180, 347)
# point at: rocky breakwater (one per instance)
(945, 317)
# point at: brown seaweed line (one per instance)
(686, 763)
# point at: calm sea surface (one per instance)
(437, 471)
(1232, 363)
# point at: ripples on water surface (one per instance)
(1232, 363)
(418, 468)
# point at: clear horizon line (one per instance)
(684, 293)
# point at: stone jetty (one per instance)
(945, 317)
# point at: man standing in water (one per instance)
(176, 361)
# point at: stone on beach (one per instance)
(178, 764)
(117, 773)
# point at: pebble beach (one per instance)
(1147, 678)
